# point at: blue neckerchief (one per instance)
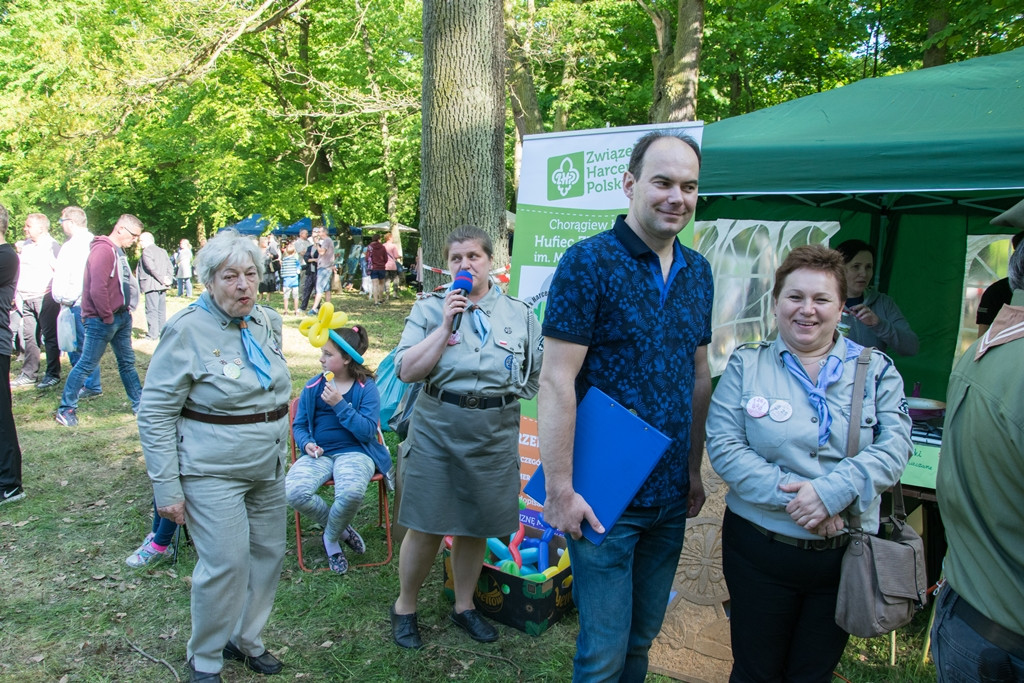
(481, 323)
(253, 351)
(830, 372)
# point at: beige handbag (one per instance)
(883, 581)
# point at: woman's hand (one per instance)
(830, 527)
(330, 394)
(175, 513)
(313, 451)
(454, 302)
(806, 508)
(865, 315)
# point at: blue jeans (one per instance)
(958, 649)
(92, 382)
(97, 335)
(631, 573)
(184, 284)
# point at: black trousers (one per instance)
(783, 605)
(40, 327)
(308, 283)
(10, 452)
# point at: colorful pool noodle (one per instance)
(498, 549)
(564, 560)
(513, 547)
(509, 567)
(529, 556)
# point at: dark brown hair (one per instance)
(359, 340)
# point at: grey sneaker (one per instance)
(67, 417)
(85, 392)
(147, 554)
(22, 381)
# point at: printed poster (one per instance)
(570, 188)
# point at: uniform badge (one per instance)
(232, 371)
(757, 406)
(780, 411)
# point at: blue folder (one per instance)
(613, 454)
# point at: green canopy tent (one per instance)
(912, 163)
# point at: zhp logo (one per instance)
(565, 176)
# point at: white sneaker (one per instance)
(147, 554)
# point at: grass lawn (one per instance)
(71, 610)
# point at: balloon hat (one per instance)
(319, 329)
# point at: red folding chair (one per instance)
(383, 510)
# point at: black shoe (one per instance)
(475, 625)
(405, 630)
(47, 382)
(265, 663)
(9, 496)
(201, 676)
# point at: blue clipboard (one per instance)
(614, 452)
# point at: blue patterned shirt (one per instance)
(642, 333)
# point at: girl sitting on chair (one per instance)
(335, 429)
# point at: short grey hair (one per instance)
(1016, 269)
(146, 239)
(227, 248)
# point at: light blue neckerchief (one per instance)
(481, 322)
(253, 351)
(832, 371)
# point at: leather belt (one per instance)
(469, 400)
(1000, 636)
(804, 543)
(269, 416)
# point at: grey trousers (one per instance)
(156, 312)
(238, 528)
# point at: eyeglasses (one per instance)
(133, 234)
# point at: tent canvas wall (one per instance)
(913, 163)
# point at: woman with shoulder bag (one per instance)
(777, 435)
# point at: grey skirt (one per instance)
(460, 472)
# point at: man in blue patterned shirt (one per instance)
(629, 311)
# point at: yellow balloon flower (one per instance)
(318, 329)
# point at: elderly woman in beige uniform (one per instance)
(214, 429)
(460, 473)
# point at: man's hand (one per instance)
(806, 508)
(566, 512)
(695, 499)
(175, 513)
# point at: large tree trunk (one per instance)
(677, 62)
(522, 89)
(463, 169)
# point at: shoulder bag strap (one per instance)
(856, 408)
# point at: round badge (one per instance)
(232, 371)
(757, 406)
(781, 411)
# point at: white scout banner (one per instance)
(570, 187)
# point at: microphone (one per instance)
(464, 285)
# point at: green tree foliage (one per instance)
(195, 114)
